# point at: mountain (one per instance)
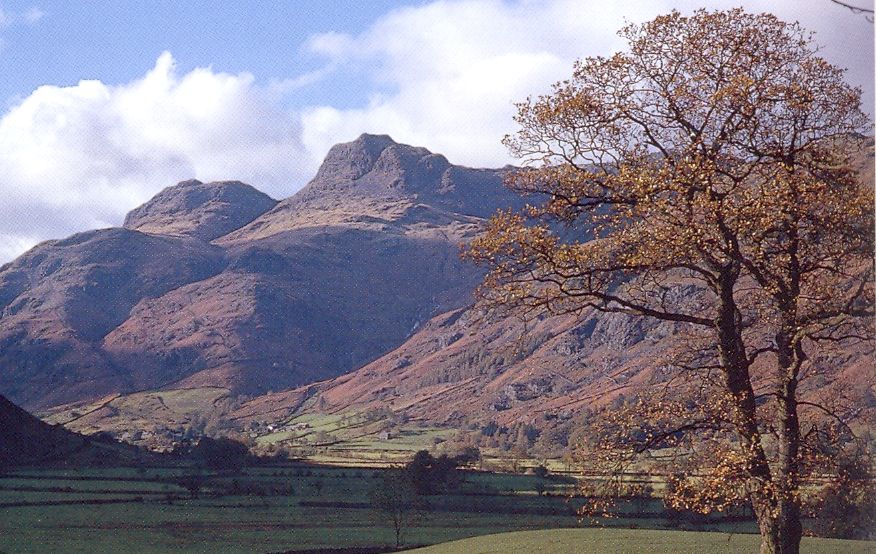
(195, 209)
(216, 284)
(24, 439)
(345, 298)
(460, 370)
(463, 368)
(60, 300)
(378, 185)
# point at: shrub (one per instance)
(221, 453)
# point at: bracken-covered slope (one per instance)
(462, 368)
(217, 285)
(459, 370)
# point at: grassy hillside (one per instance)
(629, 541)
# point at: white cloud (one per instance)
(34, 14)
(444, 75)
(450, 71)
(453, 70)
(79, 157)
(12, 245)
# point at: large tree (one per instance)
(703, 177)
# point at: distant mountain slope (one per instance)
(462, 368)
(60, 299)
(459, 370)
(216, 284)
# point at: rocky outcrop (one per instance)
(376, 184)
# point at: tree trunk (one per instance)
(780, 528)
(398, 533)
(778, 514)
(778, 510)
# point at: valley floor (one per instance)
(629, 541)
(307, 508)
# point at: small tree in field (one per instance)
(395, 499)
(703, 177)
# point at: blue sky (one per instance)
(116, 41)
(103, 103)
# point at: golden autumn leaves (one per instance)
(715, 150)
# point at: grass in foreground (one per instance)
(277, 509)
(629, 541)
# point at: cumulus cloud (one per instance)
(444, 75)
(450, 72)
(79, 157)
(447, 73)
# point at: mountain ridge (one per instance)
(203, 210)
(219, 284)
(350, 298)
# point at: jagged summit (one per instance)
(376, 183)
(203, 210)
(376, 165)
(352, 160)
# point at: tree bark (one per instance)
(780, 527)
(776, 509)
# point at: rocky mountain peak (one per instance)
(203, 210)
(377, 159)
(374, 181)
(351, 160)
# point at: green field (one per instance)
(275, 509)
(301, 507)
(629, 541)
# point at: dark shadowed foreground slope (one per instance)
(24, 439)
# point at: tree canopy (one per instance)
(704, 176)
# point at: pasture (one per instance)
(260, 510)
(265, 509)
(629, 541)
